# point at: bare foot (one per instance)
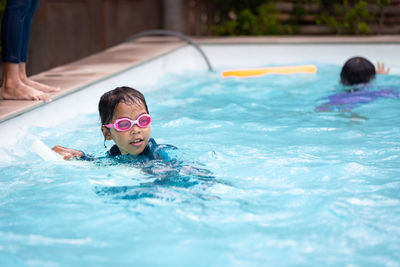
(21, 91)
(40, 86)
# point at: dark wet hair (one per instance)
(357, 70)
(109, 101)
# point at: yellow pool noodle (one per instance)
(272, 70)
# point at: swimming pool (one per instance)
(290, 186)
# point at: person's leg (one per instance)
(14, 89)
(24, 52)
(26, 29)
(12, 31)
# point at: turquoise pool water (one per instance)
(287, 186)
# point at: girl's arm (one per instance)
(68, 153)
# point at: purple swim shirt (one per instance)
(346, 101)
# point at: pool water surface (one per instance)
(269, 181)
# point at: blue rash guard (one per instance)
(152, 151)
(157, 161)
(346, 101)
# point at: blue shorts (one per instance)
(16, 28)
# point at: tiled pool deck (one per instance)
(82, 73)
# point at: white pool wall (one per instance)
(146, 76)
(255, 55)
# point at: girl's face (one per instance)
(134, 140)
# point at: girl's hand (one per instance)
(381, 68)
(67, 153)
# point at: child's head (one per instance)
(125, 102)
(357, 70)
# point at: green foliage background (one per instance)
(260, 17)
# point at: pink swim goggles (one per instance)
(125, 124)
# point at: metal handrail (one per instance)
(175, 34)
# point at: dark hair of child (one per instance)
(109, 101)
(357, 70)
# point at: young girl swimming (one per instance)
(125, 119)
(356, 75)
